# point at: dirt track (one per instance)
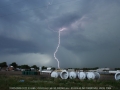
(10, 73)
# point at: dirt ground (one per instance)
(19, 73)
(10, 73)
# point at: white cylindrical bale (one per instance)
(117, 76)
(55, 74)
(64, 74)
(90, 75)
(72, 75)
(82, 75)
(93, 75)
(97, 75)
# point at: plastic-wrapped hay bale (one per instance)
(55, 74)
(93, 75)
(64, 74)
(72, 75)
(82, 75)
(117, 76)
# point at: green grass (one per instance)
(33, 82)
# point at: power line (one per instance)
(35, 8)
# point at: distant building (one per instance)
(22, 69)
(18, 69)
(11, 68)
(49, 68)
(32, 69)
(46, 71)
(69, 70)
(103, 69)
(80, 70)
(92, 70)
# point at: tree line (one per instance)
(25, 66)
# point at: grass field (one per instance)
(12, 82)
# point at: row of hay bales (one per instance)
(30, 73)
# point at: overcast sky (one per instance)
(29, 32)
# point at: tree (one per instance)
(43, 67)
(117, 68)
(19, 66)
(53, 68)
(3, 64)
(25, 67)
(35, 67)
(14, 64)
(96, 68)
(85, 69)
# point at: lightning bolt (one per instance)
(58, 47)
(50, 3)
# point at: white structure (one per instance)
(82, 75)
(55, 74)
(114, 71)
(22, 69)
(46, 71)
(32, 69)
(117, 76)
(93, 75)
(81, 70)
(40, 69)
(92, 70)
(49, 68)
(72, 75)
(64, 74)
(18, 69)
(103, 69)
(69, 70)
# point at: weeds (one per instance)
(31, 81)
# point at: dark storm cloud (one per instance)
(8, 45)
(66, 19)
(81, 43)
(14, 46)
(92, 32)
